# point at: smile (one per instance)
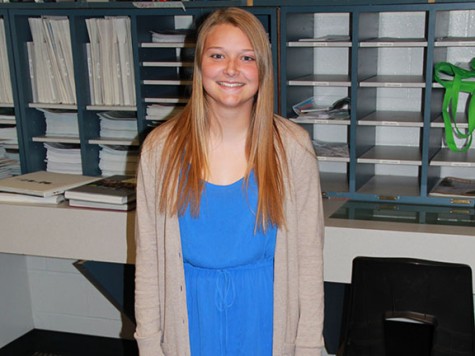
(230, 85)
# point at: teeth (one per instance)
(230, 85)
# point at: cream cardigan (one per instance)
(160, 296)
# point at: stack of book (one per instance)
(112, 193)
(40, 187)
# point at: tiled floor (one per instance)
(52, 343)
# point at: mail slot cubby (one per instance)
(392, 51)
(382, 57)
(454, 42)
(316, 63)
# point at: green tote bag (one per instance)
(456, 80)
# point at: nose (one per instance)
(232, 67)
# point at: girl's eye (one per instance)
(216, 56)
(248, 58)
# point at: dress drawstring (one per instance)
(225, 294)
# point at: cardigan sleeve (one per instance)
(147, 308)
(310, 231)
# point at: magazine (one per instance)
(454, 187)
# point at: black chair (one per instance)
(409, 307)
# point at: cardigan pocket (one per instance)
(289, 350)
(165, 349)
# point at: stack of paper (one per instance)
(327, 38)
(51, 60)
(63, 158)
(61, 122)
(173, 36)
(118, 124)
(310, 109)
(6, 96)
(4, 171)
(454, 187)
(7, 116)
(330, 149)
(110, 61)
(118, 160)
(8, 135)
(158, 112)
(11, 157)
(9, 165)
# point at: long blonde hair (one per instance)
(184, 162)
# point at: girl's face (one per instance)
(229, 69)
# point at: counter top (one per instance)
(100, 235)
(346, 239)
(65, 232)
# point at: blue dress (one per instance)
(229, 273)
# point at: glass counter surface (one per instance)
(406, 213)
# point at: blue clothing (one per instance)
(229, 270)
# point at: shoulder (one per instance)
(295, 139)
(155, 140)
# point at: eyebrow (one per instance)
(222, 48)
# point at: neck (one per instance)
(230, 125)
(227, 157)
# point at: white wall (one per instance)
(63, 299)
(15, 310)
